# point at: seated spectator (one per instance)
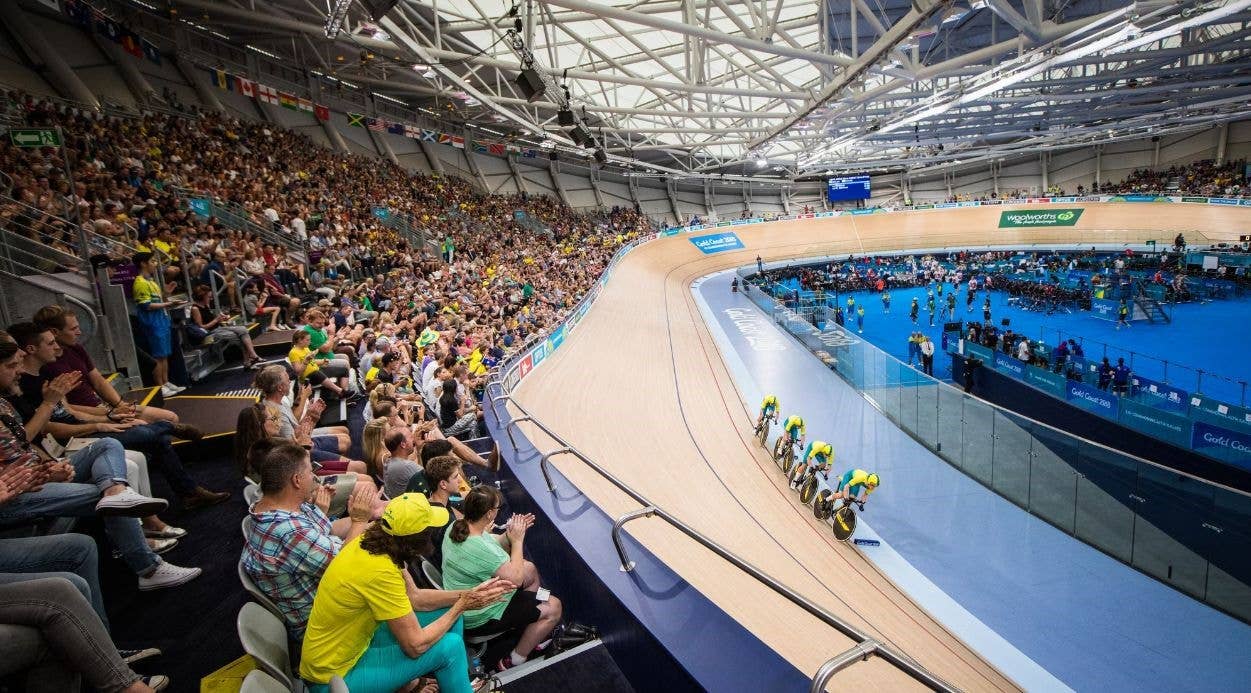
(213, 324)
(292, 539)
(401, 467)
(444, 476)
(457, 414)
(374, 448)
(260, 422)
(256, 306)
(93, 390)
(154, 440)
(309, 369)
(471, 555)
(371, 625)
(50, 631)
(274, 382)
(52, 491)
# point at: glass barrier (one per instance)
(1184, 531)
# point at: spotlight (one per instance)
(762, 162)
(530, 82)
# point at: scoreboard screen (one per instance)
(849, 188)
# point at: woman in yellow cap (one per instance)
(363, 626)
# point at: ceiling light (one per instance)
(762, 162)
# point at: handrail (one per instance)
(497, 380)
(897, 659)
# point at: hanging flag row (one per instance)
(413, 132)
(266, 94)
(91, 19)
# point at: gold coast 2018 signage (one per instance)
(1038, 217)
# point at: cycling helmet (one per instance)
(771, 399)
(872, 480)
(828, 450)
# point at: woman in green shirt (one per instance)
(471, 555)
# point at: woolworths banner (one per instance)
(1038, 217)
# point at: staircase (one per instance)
(1145, 297)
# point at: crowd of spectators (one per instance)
(407, 331)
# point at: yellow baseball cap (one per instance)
(411, 513)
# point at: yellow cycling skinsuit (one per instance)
(769, 406)
(856, 480)
(794, 425)
(819, 454)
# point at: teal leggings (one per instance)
(384, 667)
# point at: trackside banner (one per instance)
(717, 242)
(1025, 218)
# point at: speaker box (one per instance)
(601, 156)
(564, 118)
(531, 84)
(581, 136)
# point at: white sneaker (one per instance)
(169, 390)
(130, 504)
(167, 575)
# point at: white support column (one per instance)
(427, 148)
(138, 85)
(1155, 151)
(383, 147)
(553, 170)
(1042, 163)
(1222, 142)
(1098, 164)
(196, 78)
(599, 196)
(994, 175)
(58, 72)
(519, 179)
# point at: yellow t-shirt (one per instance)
(358, 592)
(145, 290)
(301, 353)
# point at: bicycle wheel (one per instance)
(844, 523)
(822, 507)
(809, 490)
(779, 452)
(764, 434)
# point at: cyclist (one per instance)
(856, 485)
(769, 407)
(794, 426)
(817, 457)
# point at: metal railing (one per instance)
(865, 647)
(1132, 509)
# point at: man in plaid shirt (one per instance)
(292, 540)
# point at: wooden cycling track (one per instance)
(641, 388)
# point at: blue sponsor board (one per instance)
(1051, 383)
(696, 227)
(969, 203)
(200, 206)
(822, 215)
(1091, 398)
(1215, 410)
(1222, 443)
(717, 242)
(1158, 394)
(558, 337)
(1144, 198)
(986, 356)
(869, 210)
(539, 353)
(946, 205)
(670, 232)
(1167, 426)
(1245, 203)
(1010, 366)
(1223, 201)
(1064, 199)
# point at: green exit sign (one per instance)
(35, 137)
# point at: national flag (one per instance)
(496, 148)
(458, 141)
(131, 43)
(429, 136)
(445, 138)
(223, 79)
(356, 120)
(150, 51)
(108, 28)
(479, 147)
(266, 94)
(529, 153)
(395, 128)
(305, 105)
(321, 112)
(376, 124)
(412, 132)
(245, 87)
(287, 100)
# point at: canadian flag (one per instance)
(266, 94)
(246, 86)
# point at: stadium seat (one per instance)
(264, 637)
(250, 587)
(337, 685)
(258, 681)
(432, 574)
